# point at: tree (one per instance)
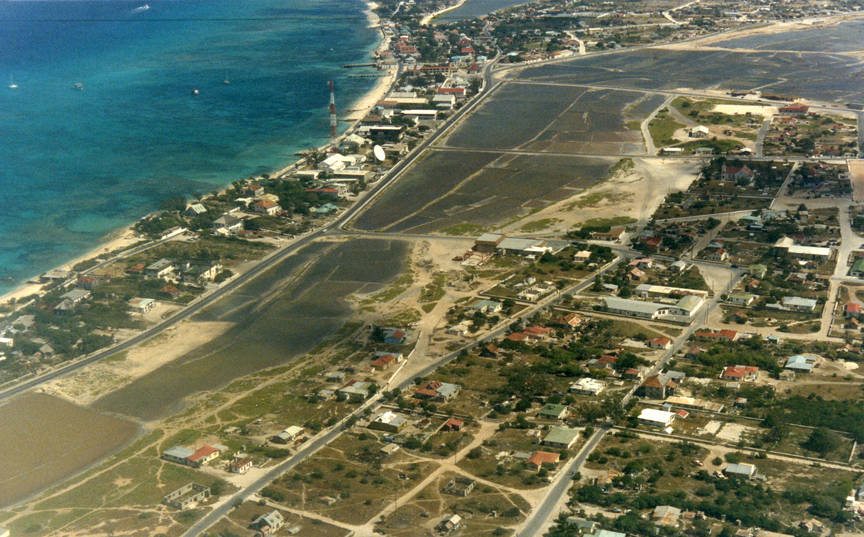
(822, 441)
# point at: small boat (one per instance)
(141, 9)
(79, 86)
(12, 84)
(195, 91)
(226, 81)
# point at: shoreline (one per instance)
(124, 237)
(432, 16)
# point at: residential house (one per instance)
(178, 454)
(240, 466)
(724, 335)
(588, 386)
(394, 336)
(747, 471)
(537, 333)
(450, 523)
(488, 242)
(383, 360)
(541, 459)
(738, 373)
(324, 210)
(582, 256)
(193, 210)
(388, 421)
(268, 524)
(204, 455)
(490, 351)
(659, 343)
(716, 254)
(268, 207)
(736, 173)
(453, 425)
(571, 320)
(227, 224)
(800, 363)
(288, 435)
(76, 296)
(553, 411)
(355, 391)
(757, 270)
(797, 303)
(741, 299)
(656, 387)
(699, 131)
(141, 305)
(560, 437)
(794, 109)
(487, 306)
(437, 391)
(656, 418)
(852, 309)
(666, 515)
(613, 235)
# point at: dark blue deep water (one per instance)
(76, 165)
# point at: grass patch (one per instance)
(596, 198)
(465, 228)
(610, 222)
(399, 286)
(539, 225)
(662, 127)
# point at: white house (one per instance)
(656, 418)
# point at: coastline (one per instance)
(431, 16)
(124, 237)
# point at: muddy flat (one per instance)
(44, 439)
(279, 316)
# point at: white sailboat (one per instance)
(12, 84)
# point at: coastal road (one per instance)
(309, 448)
(268, 262)
(523, 152)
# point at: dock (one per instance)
(350, 65)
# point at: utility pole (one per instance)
(334, 122)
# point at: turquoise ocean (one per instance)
(77, 164)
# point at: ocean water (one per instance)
(76, 165)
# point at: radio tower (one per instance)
(333, 121)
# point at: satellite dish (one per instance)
(378, 151)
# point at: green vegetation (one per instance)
(594, 199)
(662, 127)
(538, 225)
(464, 228)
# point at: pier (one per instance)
(350, 65)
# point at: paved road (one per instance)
(392, 175)
(541, 515)
(313, 445)
(837, 160)
(546, 509)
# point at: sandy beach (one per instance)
(431, 16)
(117, 240)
